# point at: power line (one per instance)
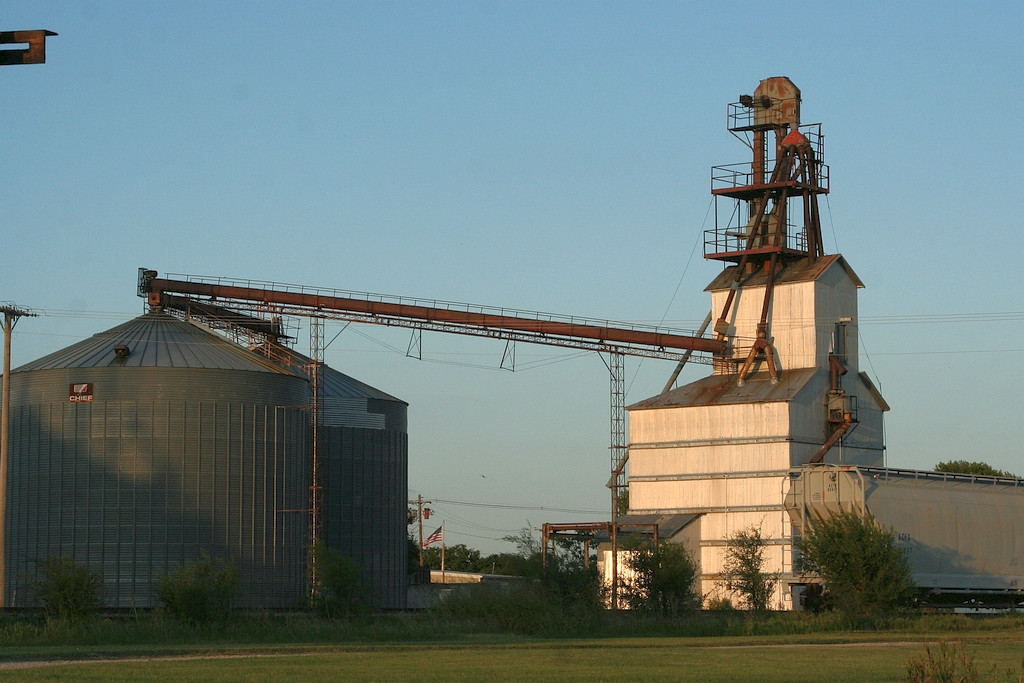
(504, 506)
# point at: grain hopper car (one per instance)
(963, 534)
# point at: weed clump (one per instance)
(950, 662)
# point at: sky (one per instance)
(533, 155)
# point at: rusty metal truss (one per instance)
(266, 300)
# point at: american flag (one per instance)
(436, 537)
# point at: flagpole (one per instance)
(443, 543)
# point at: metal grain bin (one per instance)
(364, 456)
(149, 444)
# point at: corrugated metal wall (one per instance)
(365, 490)
(725, 491)
(717, 423)
(134, 487)
(667, 462)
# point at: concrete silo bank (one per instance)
(148, 444)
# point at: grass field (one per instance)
(876, 654)
(645, 659)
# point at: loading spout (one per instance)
(843, 427)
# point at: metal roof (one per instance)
(802, 271)
(724, 389)
(668, 525)
(155, 340)
(337, 383)
(340, 384)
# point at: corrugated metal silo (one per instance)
(364, 456)
(149, 444)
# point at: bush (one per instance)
(664, 578)
(525, 609)
(201, 590)
(577, 588)
(865, 573)
(66, 590)
(340, 589)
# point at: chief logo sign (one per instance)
(80, 393)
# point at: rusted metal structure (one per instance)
(534, 327)
(589, 533)
(774, 218)
(35, 53)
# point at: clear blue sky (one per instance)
(536, 155)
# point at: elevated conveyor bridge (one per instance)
(255, 305)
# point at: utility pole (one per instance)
(35, 53)
(11, 315)
(419, 519)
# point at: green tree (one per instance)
(972, 467)
(664, 578)
(66, 590)
(863, 570)
(744, 568)
(526, 561)
(509, 564)
(413, 558)
(457, 558)
(200, 590)
(527, 545)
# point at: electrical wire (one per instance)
(864, 351)
(828, 210)
(503, 506)
(679, 284)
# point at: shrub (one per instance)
(201, 590)
(66, 590)
(664, 578)
(865, 573)
(340, 589)
(719, 603)
(744, 569)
